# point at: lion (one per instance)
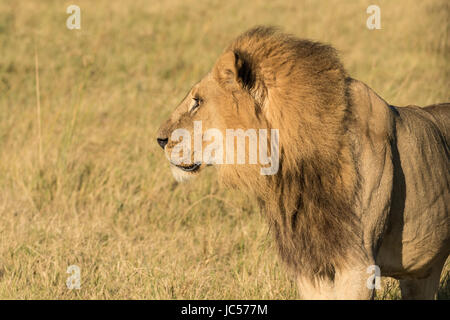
(362, 186)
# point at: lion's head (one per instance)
(220, 101)
(263, 80)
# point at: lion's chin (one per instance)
(181, 175)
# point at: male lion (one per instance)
(360, 183)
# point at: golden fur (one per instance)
(328, 228)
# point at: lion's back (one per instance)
(441, 117)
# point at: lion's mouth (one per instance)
(192, 168)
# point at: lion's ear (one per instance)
(231, 70)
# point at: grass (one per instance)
(82, 180)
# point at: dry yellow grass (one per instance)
(82, 180)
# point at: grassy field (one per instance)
(82, 180)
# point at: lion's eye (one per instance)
(194, 104)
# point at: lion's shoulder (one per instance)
(374, 118)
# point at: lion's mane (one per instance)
(301, 88)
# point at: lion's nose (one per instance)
(162, 142)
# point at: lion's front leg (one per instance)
(349, 284)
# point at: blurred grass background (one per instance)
(100, 194)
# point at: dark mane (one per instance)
(301, 88)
